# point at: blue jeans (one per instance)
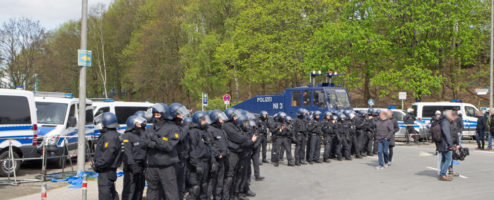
(383, 152)
(489, 139)
(446, 159)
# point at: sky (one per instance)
(50, 13)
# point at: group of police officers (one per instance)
(212, 155)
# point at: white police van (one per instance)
(57, 118)
(18, 127)
(121, 109)
(424, 111)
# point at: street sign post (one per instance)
(227, 98)
(371, 102)
(204, 100)
(402, 96)
(84, 60)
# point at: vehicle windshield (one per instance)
(51, 113)
(337, 98)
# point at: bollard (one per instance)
(43, 172)
(84, 186)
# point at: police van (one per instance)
(18, 128)
(424, 111)
(57, 118)
(121, 109)
(325, 96)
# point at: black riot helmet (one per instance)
(133, 120)
(317, 113)
(264, 114)
(218, 117)
(327, 115)
(230, 113)
(200, 116)
(109, 120)
(175, 110)
(301, 112)
(160, 108)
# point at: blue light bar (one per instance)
(453, 101)
(69, 95)
(391, 107)
(109, 100)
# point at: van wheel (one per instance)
(6, 165)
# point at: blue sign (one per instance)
(205, 99)
(84, 58)
(371, 102)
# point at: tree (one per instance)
(20, 44)
(96, 17)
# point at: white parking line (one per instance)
(435, 169)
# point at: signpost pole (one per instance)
(81, 142)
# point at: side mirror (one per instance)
(72, 121)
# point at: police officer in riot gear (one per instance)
(219, 150)
(409, 120)
(342, 133)
(242, 180)
(108, 157)
(199, 142)
(134, 142)
(237, 141)
(315, 134)
(162, 140)
(283, 134)
(353, 141)
(368, 128)
(300, 129)
(328, 134)
(264, 127)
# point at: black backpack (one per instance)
(436, 132)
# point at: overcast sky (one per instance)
(50, 13)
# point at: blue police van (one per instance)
(324, 97)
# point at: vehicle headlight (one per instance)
(51, 140)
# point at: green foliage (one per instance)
(173, 50)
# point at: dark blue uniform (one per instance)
(107, 158)
(134, 142)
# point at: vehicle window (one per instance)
(14, 110)
(102, 110)
(429, 111)
(51, 113)
(306, 98)
(319, 99)
(125, 112)
(89, 116)
(470, 111)
(414, 107)
(338, 98)
(296, 98)
(398, 115)
(72, 111)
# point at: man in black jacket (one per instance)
(162, 139)
(481, 126)
(220, 154)
(199, 144)
(328, 133)
(237, 142)
(396, 128)
(264, 127)
(300, 129)
(283, 133)
(108, 157)
(134, 142)
(315, 132)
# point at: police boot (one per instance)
(327, 160)
(249, 193)
(276, 164)
(290, 163)
(265, 161)
(297, 163)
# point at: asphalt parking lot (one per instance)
(411, 176)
